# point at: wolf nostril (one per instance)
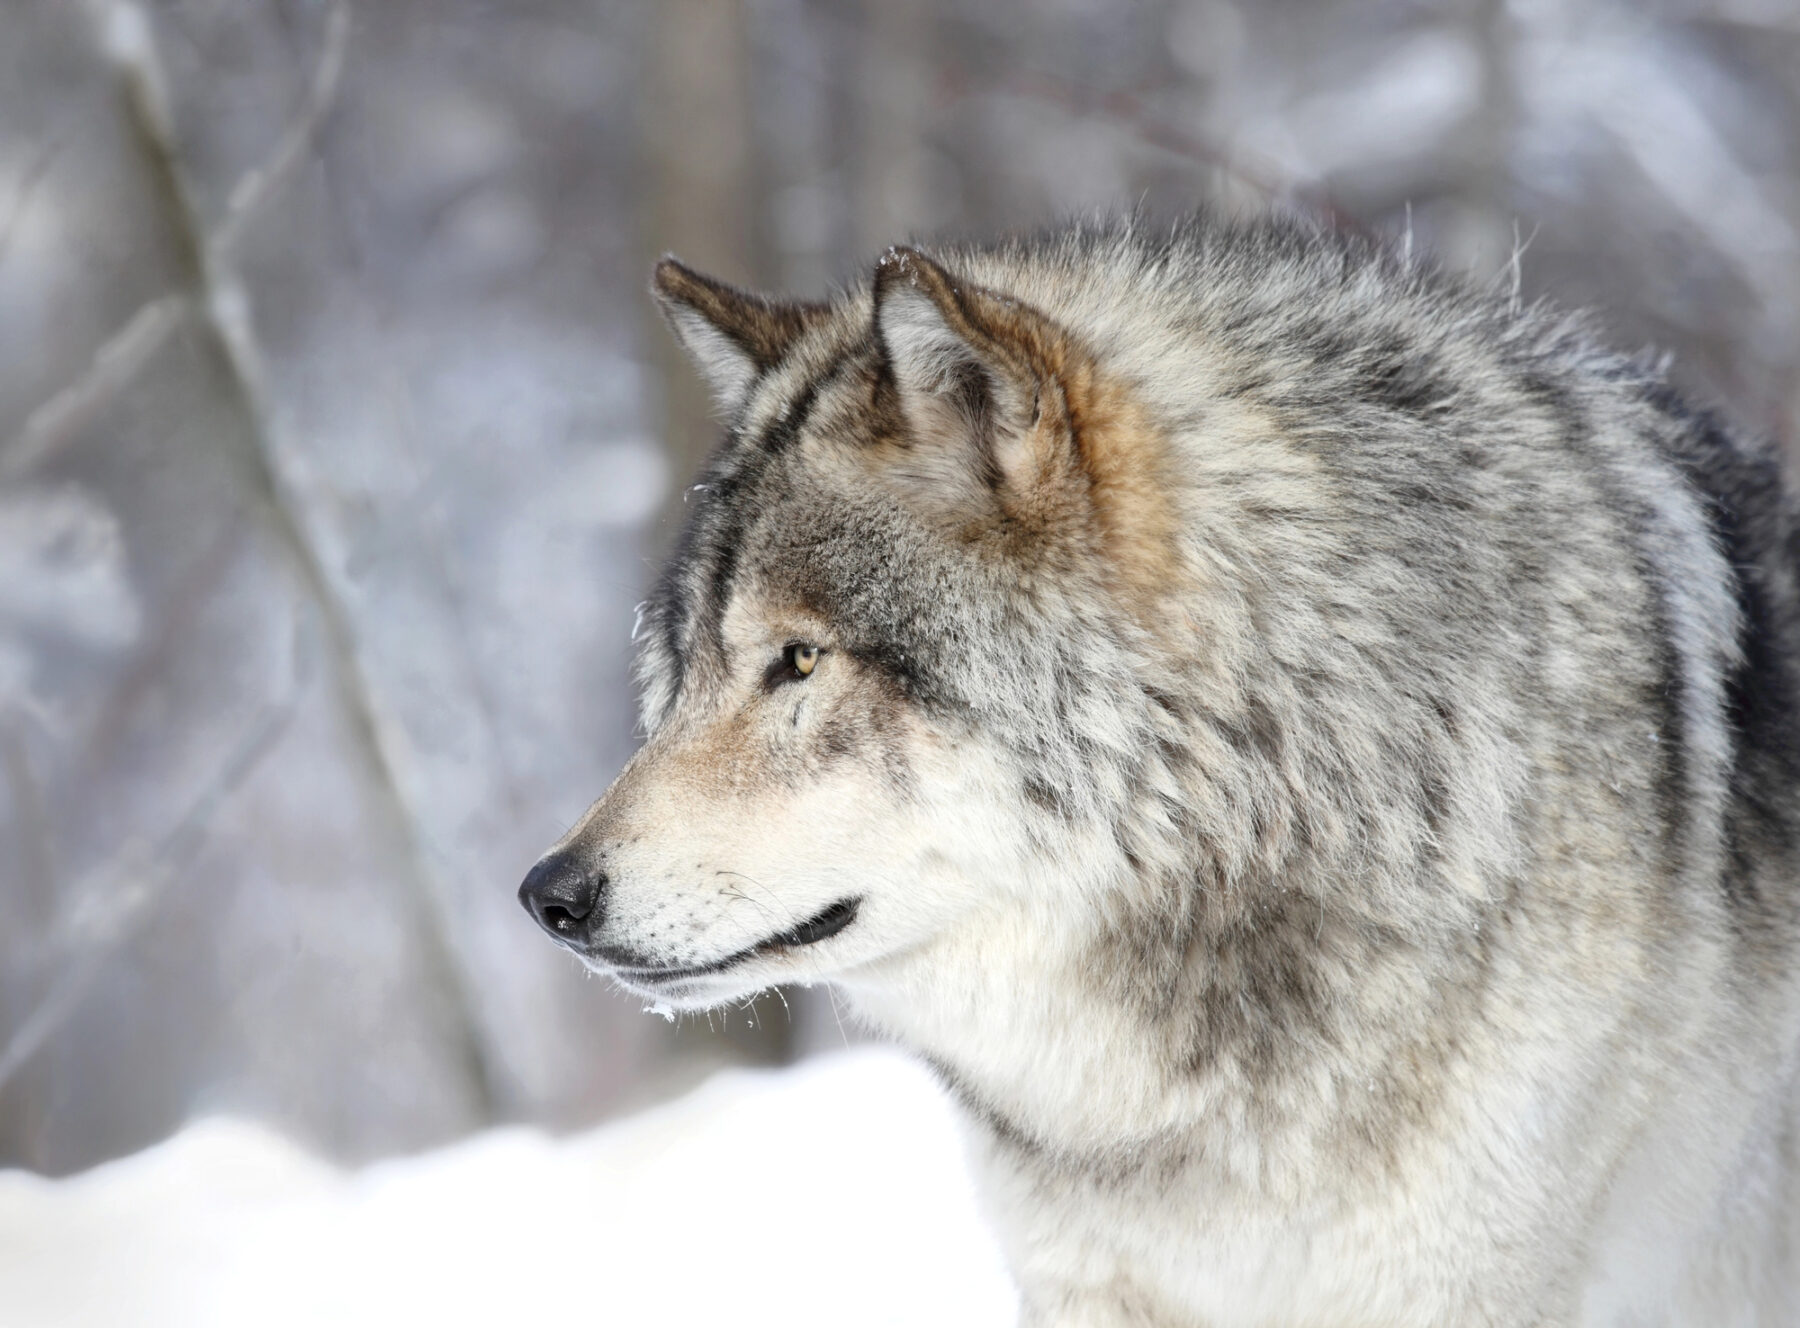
(558, 918)
(562, 894)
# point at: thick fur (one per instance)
(1308, 751)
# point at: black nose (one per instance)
(563, 895)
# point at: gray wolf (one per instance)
(1308, 750)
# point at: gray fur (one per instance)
(1395, 913)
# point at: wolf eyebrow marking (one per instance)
(709, 546)
(732, 521)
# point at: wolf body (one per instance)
(1308, 751)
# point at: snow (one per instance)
(829, 1194)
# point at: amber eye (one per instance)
(795, 662)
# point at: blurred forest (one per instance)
(338, 438)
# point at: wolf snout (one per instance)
(564, 895)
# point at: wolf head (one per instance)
(891, 673)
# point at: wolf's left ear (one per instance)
(978, 376)
(731, 335)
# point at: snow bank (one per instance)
(831, 1194)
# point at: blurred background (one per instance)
(338, 439)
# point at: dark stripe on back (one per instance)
(1755, 527)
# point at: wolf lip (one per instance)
(825, 923)
(816, 928)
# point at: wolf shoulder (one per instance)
(1489, 503)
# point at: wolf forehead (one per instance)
(796, 549)
(774, 523)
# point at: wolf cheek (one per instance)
(772, 831)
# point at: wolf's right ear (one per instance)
(731, 335)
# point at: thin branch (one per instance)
(126, 36)
(22, 196)
(108, 901)
(224, 306)
(56, 423)
(215, 293)
(257, 187)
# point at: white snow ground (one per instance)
(832, 1194)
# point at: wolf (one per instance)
(1307, 749)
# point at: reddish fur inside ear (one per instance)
(1083, 472)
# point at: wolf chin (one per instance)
(1307, 750)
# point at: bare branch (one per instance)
(28, 183)
(53, 425)
(218, 296)
(109, 901)
(129, 43)
(256, 188)
(126, 38)
(224, 305)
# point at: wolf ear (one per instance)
(977, 377)
(731, 335)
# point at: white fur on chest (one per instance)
(1182, 1198)
(1218, 1260)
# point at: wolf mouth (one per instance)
(825, 923)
